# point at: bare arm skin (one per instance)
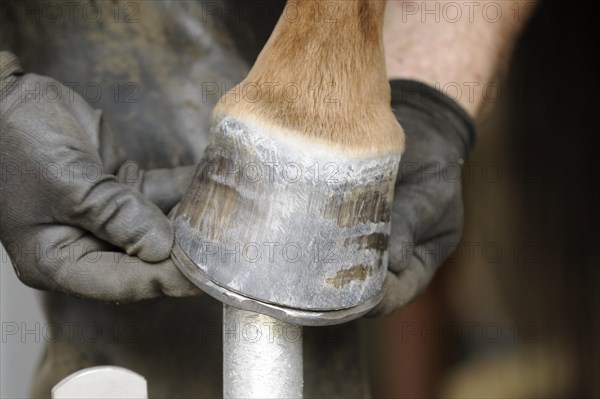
(456, 46)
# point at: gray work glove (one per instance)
(427, 214)
(72, 217)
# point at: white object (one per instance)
(104, 382)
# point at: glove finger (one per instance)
(399, 290)
(164, 187)
(402, 288)
(419, 263)
(427, 200)
(87, 267)
(422, 213)
(112, 276)
(120, 215)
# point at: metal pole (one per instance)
(262, 356)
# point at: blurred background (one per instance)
(515, 312)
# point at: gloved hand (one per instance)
(427, 214)
(71, 216)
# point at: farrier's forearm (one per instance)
(456, 46)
